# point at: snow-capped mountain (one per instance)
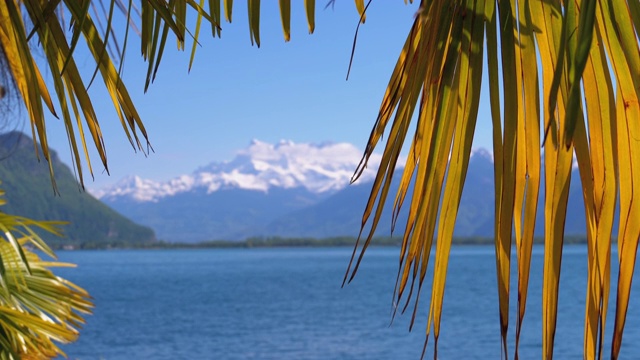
(285, 189)
(290, 189)
(321, 168)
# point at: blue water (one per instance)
(288, 304)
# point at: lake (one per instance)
(287, 303)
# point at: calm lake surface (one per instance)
(287, 303)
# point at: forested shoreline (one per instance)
(268, 242)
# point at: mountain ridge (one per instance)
(193, 211)
(320, 168)
(29, 192)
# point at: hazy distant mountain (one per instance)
(29, 193)
(238, 198)
(285, 189)
(224, 214)
(294, 190)
(341, 213)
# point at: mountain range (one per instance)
(293, 190)
(29, 192)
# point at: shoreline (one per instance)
(278, 242)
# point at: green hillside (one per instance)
(29, 193)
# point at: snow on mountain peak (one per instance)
(260, 166)
(318, 168)
(482, 153)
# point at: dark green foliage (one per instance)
(30, 193)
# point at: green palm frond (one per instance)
(38, 310)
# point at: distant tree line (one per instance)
(278, 241)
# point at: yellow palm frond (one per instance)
(589, 88)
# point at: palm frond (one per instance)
(38, 310)
(588, 61)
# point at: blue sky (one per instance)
(236, 92)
